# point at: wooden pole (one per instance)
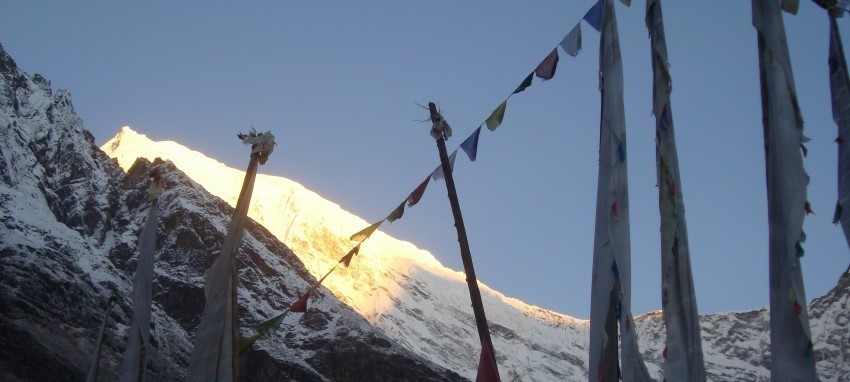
(465, 254)
(95, 364)
(234, 271)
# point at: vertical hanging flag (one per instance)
(496, 117)
(611, 236)
(470, 145)
(572, 41)
(790, 334)
(135, 356)
(839, 85)
(366, 232)
(525, 83)
(214, 355)
(594, 16)
(546, 69)
(681, 319)
(94, 367)
(438, 172)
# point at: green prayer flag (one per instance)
(495, 118)
(397, 213)
(800, 251)
(525, 83)
(262, 328)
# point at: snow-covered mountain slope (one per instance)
(419, 303)
(69, 223)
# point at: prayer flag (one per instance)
(133, 364)
(486, 369)
(594, 16)
(572, 41)
(366, 232)
(300, 305)
(611, 236)
(470, 145)
(438, 172)
(525, 83)
(546, 69)
(347, 258)
(416, 195)
(839, 86)
(212, 357)
(397, 213)
(680, 314)
(786, 186)
(496, 117)
(791, 6)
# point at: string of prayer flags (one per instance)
(572, 41)
(437, 174)
(366, 232)
(786, 186)
(594, 16)
(546, 69)
(470, 145)
(525, 83)
(417, 193)
(397, 213)
(496, 117)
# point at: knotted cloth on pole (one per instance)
(135, 357)
(214, 357)
(611, 285)
(791, 347)
(683, 359)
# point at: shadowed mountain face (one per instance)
(69, 223)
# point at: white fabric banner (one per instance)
(611, 236)
(683, 357)
(792, 357)
(213, 355)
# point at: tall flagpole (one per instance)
(95, 362)
(215, 355)
(487, 368)
(135, 356)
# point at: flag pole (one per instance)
(441, 131)
(95, 363)
(215, 356)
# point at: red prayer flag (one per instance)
(300, 306)
(418, 192)
(546, 69)
(486, 369)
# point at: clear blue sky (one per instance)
(338, 83)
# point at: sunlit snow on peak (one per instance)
(398, 287)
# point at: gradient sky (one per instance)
(338, 83)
